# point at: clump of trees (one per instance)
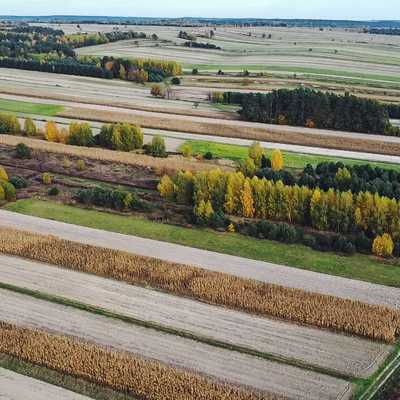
(122, 137)
(83, 40)
(187, 36)
(215, 192)
(314, 109)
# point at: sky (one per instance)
(317, 9)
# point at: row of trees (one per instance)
(200, 45)
(121, 137)
(84, 40)
(314, 109)
(332, 210)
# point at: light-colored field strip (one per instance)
(242, 267)
(344, 354)
(14, 386)
(174, 140)
(232, 367)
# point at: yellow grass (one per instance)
(297, 305)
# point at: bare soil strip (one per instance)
(232, 367)
(242, 267)
(14, 386)
(344, 354)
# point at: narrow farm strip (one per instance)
(224, 365)
(100, 229)
(296, 305)
(347, 355)
(14, 386)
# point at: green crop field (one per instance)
(29, 108)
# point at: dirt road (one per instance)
(20, 387)
(348, 355)
(243, 267)
(232, 367)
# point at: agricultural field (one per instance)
(177, 248)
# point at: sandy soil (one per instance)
(19, 387)
(348, 355)
(262, 271)
(225, 365)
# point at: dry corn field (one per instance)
(375, 322)
(160, 165)
(147, 379)
(236, 129)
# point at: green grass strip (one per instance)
(292, 160)
(16, 106)
(360, 267)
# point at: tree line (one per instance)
(84, 40)
(217, 192)
(314, 109)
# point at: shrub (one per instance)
(2, 194)
(3, 175)
(81, 165)
(208, 155)
(187, 150)
(80, 135)
(9, 124)
(363, 243)
(30, 128)
(19, 182)
(46, 178)
(157, 91)
(54, 191)
(195, 71)
(286, 233)
(23, 152)
(175, 80)
(157, 147)
(383, 246)
(9, 191)
(309, 241)
(66, 163)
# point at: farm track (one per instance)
(14, 386)
(231, 367)
(242, 267)
(350, 356)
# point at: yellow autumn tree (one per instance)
(234, 189)
(51, 131)
(383, 246)
(3, 175)
(247, 200)
(277, 160)
(166, 188)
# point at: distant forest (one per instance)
(186, 21)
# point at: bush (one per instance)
(9, 124)
(187, 150)
(309, 241)
(19, 182)
(157, 147)
(195, 71)
(9, 191)
(81, 165)
(286, 233)
(23, 152)
(80, 135)
(175, 80)
(157, 91)
(383, 246)
(208, 155)
(54, 191)
(363, 243)
(30, 128)
(46, 178)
